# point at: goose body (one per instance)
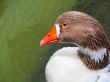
(89, 62)
(66, 66)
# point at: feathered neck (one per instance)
(94, 59)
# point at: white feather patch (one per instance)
(96, 55)
(57, 29)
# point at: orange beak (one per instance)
(51, 37)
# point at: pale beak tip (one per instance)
(42, 43)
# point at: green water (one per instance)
(23, 23)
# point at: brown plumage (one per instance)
(86, 31)
(84, 63)
(91, 63)
(83, 30)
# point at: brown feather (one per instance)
(91, 63)
(85, 31)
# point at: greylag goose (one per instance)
(89, 61)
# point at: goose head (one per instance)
(77, 28)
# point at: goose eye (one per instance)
(64, 24)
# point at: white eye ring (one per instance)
(57, 29)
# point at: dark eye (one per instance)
(64, 24)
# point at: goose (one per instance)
(89, 61)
